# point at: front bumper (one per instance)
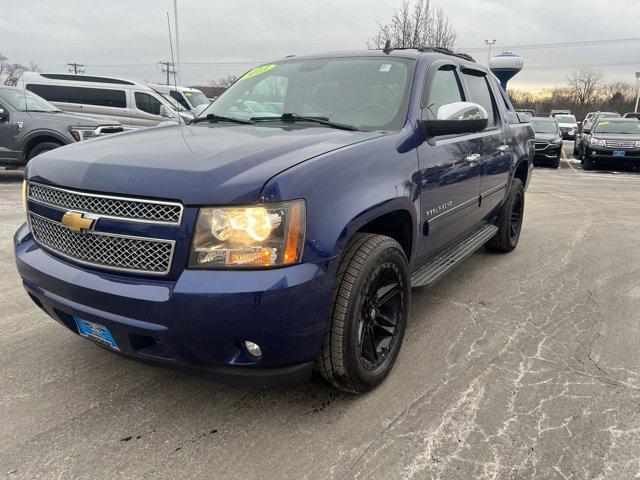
(200, 320)
(549, 153)
(606, 154)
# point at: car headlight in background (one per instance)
(596, 142)
(83, 133)
(260, 236)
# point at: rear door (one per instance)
(449, 167)
(496, 152)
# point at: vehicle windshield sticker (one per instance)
(258, 71)
(603, 123)
(187, 94)
(385, 67)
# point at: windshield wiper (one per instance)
(211, 118)
(292, 118)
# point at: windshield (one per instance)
(196, 98)
(623, 128)
(24, 100)
(368, 93)
(565, 119)
(541, 126)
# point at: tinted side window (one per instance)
(444, 89)
(147, 103)
(85, 96)
(479, 93)
(178, 96)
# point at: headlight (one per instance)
(596, 142)
(557, 141)
(260, 236)
(82, 133)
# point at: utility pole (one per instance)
(489, 44)
(76, 67)
(169, 69)
(177, 67)
(637, 90)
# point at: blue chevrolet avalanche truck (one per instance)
(283, 230)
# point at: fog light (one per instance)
(253, 348)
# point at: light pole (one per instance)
(489, 44)
(177, 66)
(637, 90)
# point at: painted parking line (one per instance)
(568, 162)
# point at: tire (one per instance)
(509, 226)
(370, 266)
(587, 164)
(41, 148)
(575, 147)
(556, 162)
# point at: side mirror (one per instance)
(457, 118)
(4, 116)
(164, 112)
(199, 109)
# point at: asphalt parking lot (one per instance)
(514, 366)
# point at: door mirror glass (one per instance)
(4, 116)
(457, 118)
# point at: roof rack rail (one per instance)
(446, 51)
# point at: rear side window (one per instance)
(479, 93)
(444, 89)
(85, 96)
(178, 96)
(147, 103)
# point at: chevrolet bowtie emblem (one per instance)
(77, 221)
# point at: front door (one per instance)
(7, 137)
(450, 169)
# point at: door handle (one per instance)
(473, 159)
(503, 148)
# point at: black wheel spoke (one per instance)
(385, 321)
(386, 293)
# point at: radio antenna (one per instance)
(173, 63)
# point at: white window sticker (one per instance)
(385, 67)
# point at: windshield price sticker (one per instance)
(385, 67)
(258, 71)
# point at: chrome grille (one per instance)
(121, 208)
(541, 145)
(620, 143)
(115, 252)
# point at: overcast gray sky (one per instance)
(110, 37)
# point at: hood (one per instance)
(615, 136)
(196, 164)
(70, 119)
(547, 137)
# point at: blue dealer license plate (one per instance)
(96, 332)
(618, 153)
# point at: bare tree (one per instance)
(584, 85)
(13, 72)
(225, 82)
(416, 25)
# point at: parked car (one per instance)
(29, 126)
(614, 141)
(188, 97)
(548, 141)
(583, 136)
(568, 126)
(553, 113)
(254, 248)
(132, 104)
(632, 115)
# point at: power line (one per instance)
(534, 46)
(76, 67)
(578, 65)
(169, 69)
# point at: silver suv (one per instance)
(29, 125)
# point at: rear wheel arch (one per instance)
(522, 171)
